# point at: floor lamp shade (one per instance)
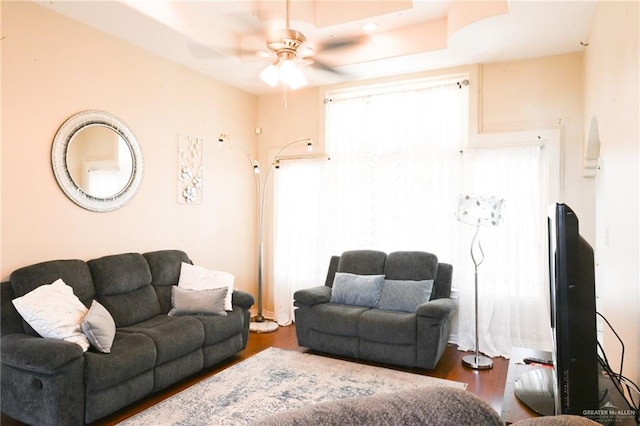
(478, 211)
(482, 211)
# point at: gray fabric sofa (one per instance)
(53, 382)
(410, 338)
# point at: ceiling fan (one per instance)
(289, 45)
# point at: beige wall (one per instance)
(53, 67)
(611, 96)
(544, 93)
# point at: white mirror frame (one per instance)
(61, 171)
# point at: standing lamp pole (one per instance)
(478, 211)
(261, 324)
(477, 361)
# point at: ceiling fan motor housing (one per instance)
(287, 46)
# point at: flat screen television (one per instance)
(573, 315)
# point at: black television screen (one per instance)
(573, 315)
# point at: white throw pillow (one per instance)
(53, 311)
(200, 278)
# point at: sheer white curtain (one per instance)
(513, 286)
(390, 185)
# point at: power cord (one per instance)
(619, 379)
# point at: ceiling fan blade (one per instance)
(323, 66)
(341, 43)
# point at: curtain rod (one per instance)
(379, 89)
(305, 157)
(504, 145)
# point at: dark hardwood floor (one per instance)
(488, 384)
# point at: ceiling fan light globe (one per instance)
(287, 70)
(291, 75)
(270, 75)
(298, 80)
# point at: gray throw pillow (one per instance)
(404, 295)
(356, 290)
(99, 327)
(198, 302)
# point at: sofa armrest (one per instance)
(312, 296)
(37, 354)
(242, 299)
(438, 309)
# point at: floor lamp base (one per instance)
(263, 326)
(477, 362)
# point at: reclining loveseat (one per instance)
(49, 381)
(393, 309)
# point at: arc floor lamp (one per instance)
(260, 324)
(478, 211)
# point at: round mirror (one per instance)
(97, 161)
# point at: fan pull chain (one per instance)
(284, 95)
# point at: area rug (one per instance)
(275, 380)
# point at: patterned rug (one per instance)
(275, 380)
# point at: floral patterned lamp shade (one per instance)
(481, 211)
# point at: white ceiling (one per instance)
(226, 39)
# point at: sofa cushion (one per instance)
(362, 262)
(404, 295)
(198, 302)
(53, 311)
(131, 355)
(123, 286)
(99, 327)
(411, 265)
(390, 327)
(218, 329)
(356, 290)
(75, 273)
(173, 336)
(165, 273)
(165, 266)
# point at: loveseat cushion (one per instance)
(362, 262)
(173, 336)
(131, 355)
(411, 265)
(336, 319)
(123, 286)
(394, 328)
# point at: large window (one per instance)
(397, 166)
